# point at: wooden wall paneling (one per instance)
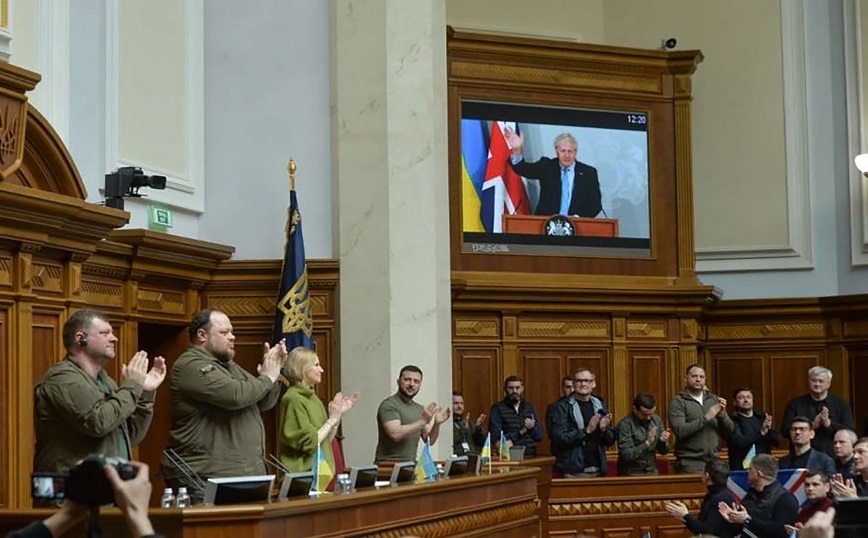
(542, 384)
(44, 348)
(321, 339)
(477, 370)
(8, 385)
(47, 342)
(789, 376)
(671, 531)
(647, 373)
(731, 370)
(858, 367)
(168, 341)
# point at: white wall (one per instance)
(266, 99)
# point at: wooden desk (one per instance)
(546, 465)
(503, 503)
(622, 507)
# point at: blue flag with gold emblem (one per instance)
(293, 320)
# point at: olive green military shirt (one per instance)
(216, 416)
(76, 415)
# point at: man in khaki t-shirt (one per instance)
(401, 421)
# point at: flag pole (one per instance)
(291, 168)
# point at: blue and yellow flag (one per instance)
(504, 447)
(426, 469)
(322, 472)
(486, 449)
(751, 454)
(293, 319)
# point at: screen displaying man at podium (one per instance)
(567, 186)
(525, 165)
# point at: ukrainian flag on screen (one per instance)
(474, 157)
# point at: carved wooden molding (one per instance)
(561, 329)
(614, 507)
(476, 328)
(649, 329)
(449, 526)
(767, 331)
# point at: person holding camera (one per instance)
(80, 410)
(131, 496)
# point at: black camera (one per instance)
(669, 43)
(126, 182)
(86, 483)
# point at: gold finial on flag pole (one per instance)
(291, 169)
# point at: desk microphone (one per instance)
(178, 462)
(274, 462)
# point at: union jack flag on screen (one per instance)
(792, 479)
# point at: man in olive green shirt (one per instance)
(401, 421)
(80, 410)
(641, 436)
(217, 427)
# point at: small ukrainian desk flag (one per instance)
(426, 469)
(322, 472)
(504, 447)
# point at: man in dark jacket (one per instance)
(752, 429)
(802, 455)
(567, 186)
(516, 418)
(709, 520)
(581, 430)
(827, 413)
(467, 436)
(768, 508)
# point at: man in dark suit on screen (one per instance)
(567, 187)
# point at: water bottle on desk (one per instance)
(343, 485)
(183, 500)
(168, 500)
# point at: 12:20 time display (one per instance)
(638, 119)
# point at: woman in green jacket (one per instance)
(305, 423)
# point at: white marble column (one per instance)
(391, 205)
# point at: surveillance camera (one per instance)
(669, 43)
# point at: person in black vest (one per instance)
(709, 521)
(827, 413)
(802, 455)
(581, 430)
(768, 507)
(752, 429)
(516, 418)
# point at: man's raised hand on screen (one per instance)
(513, 140)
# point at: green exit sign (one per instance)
(159, 218)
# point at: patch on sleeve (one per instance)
(207, 368)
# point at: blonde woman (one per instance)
(305, 424)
